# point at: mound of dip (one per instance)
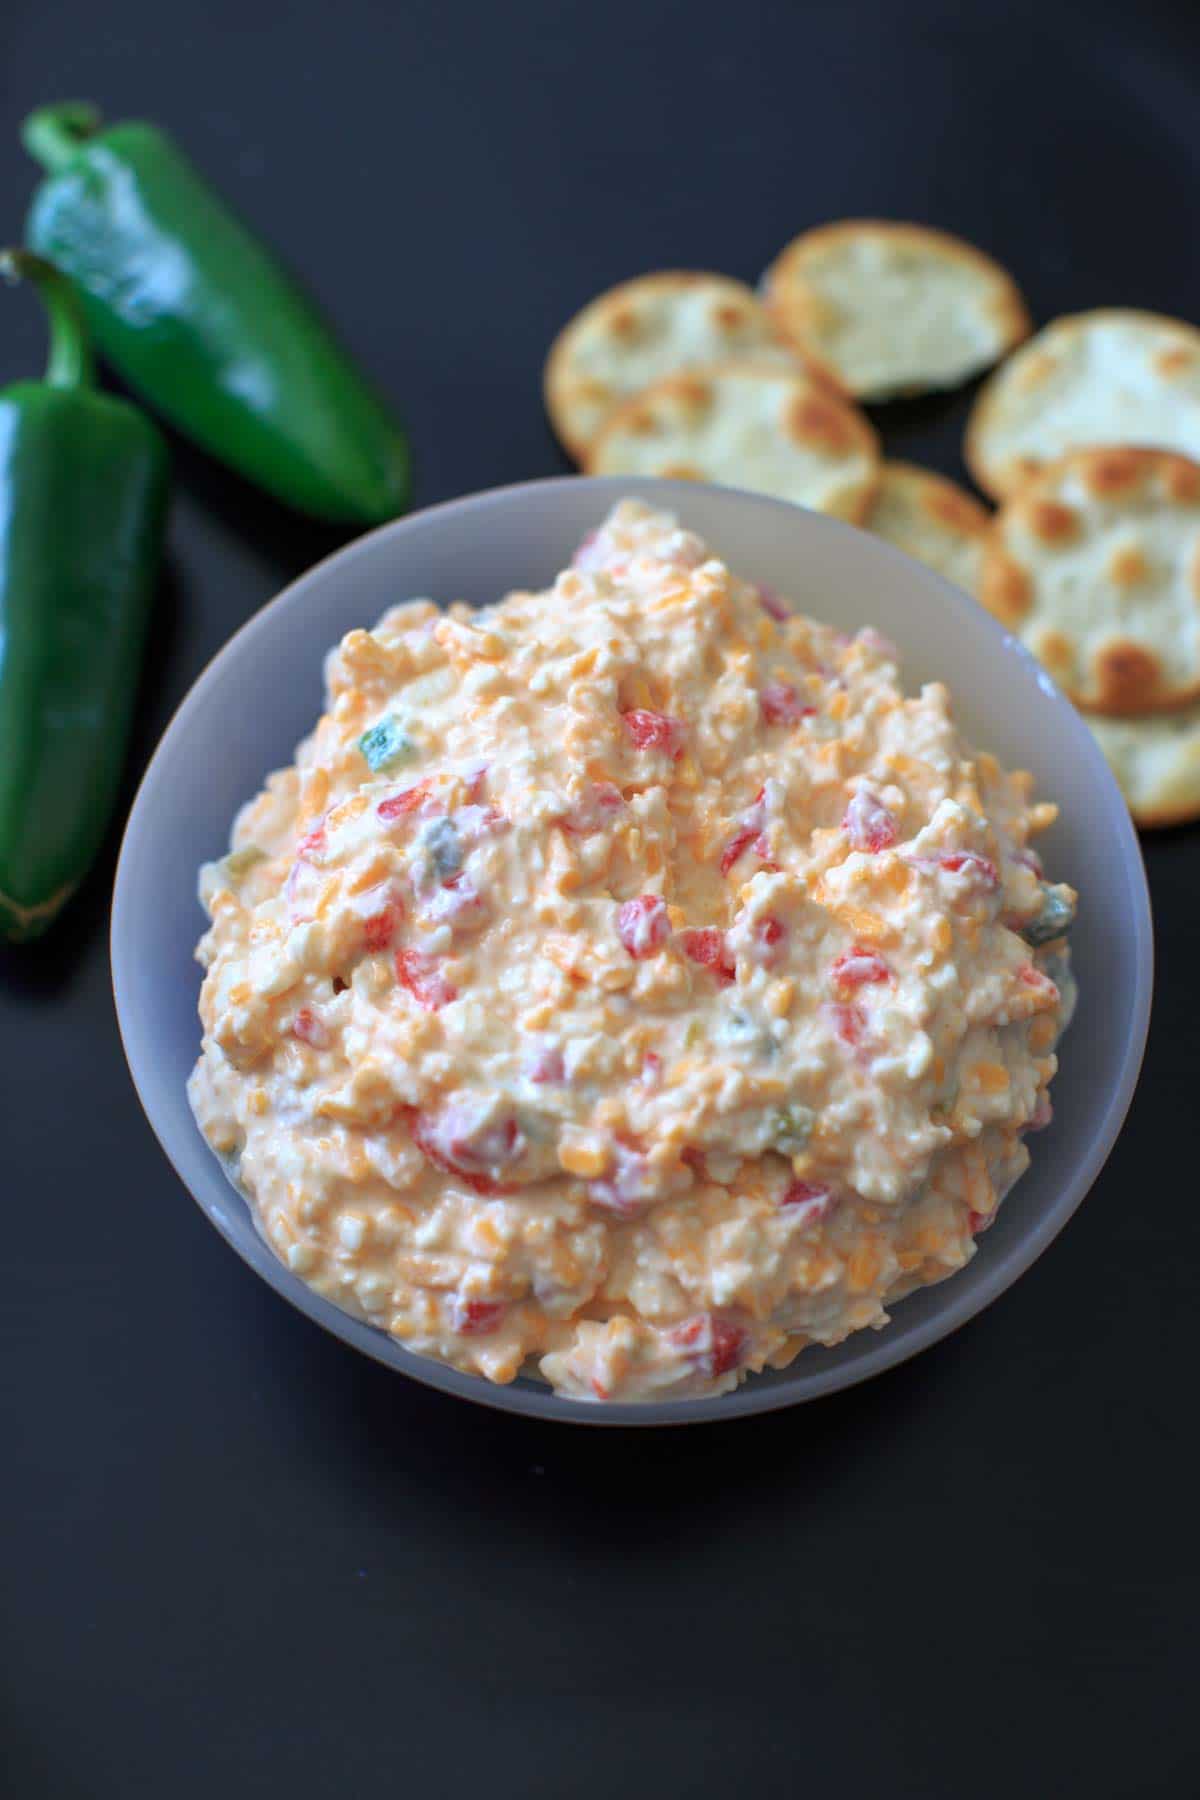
(628, 985)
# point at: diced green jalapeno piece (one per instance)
(1056, 916)
(440, 842)
(387, 745)
(791, 1129)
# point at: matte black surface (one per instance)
(237, 1559)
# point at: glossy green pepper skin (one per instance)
(83, 493)
(203, 323)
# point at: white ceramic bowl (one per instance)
(262, 693)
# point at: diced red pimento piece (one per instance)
(741, 840)
(713, 1345)
(424, 980)
(859, 968)
(477, 785)
(750, 831)
(978, 1221)
(771, 603)
(314, 843)
(475, 1318)
(548, 1066)
(651, 1069)
(643, 925)
(868, 823)
(380, 927)
(448, 1144)
(728, 1342)
(501, 1142)
(809, 1201)
(966, 862)
(627, 1188)
(707, 946)
(593, 810)
(770, 935)
(397, 806)
(1034, 978)
(781, 704)
(654, 731)
(692, 1333)
(849, 1021)
(310, 1029)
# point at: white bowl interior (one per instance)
(263, 692)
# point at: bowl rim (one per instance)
(889, 1350)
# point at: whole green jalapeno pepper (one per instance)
(203, 322)
(83, 492)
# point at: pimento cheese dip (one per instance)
(628, 985)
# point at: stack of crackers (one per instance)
(1084, 437)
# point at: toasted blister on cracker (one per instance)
(781, 433)
(1114, 376)
(932, 519)
(892, 308)
(652, 326)
(1156, 761)
(1095, 565)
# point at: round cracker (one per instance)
(778, 432)
(1095, 565)
(652, 326)
(934, 520)
(892, 308)
(1156, 761)
(1113, 376)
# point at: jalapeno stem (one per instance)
(53, 134)
(69, 364)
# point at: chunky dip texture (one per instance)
(628, 985)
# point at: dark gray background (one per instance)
(235, 1558)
